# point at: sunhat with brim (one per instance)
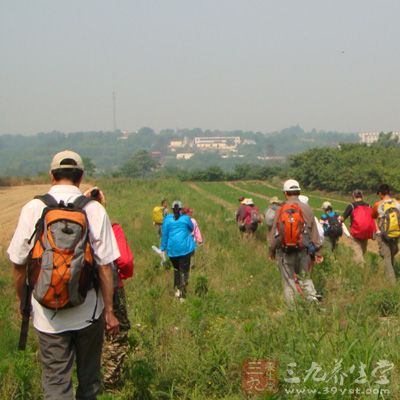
(177, 204)
(274, 199)
(303, 199)
(248, 202)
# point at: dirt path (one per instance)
(233, 186)
(212, 197)
(12, 199)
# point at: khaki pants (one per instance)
(388, 250)
(292, 265)
(359, 248)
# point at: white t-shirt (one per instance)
(105, 250)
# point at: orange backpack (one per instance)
(290, 227)
(61, 260)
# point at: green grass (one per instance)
(195, 350)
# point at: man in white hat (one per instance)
(74, 333)
(293, 241)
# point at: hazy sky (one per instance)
(228, 64)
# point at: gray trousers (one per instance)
(388, 250)
(294, 269)
(359, 249)
(57, 354)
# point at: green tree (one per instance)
(140, 165)
(90, 167)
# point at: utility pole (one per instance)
(114, 111)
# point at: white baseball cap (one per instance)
(326, 205)
(60, 161)
(291, 186)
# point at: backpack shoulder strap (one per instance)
(81, 201)
(47, 199)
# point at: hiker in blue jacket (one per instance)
(177, 240)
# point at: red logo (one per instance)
(260, 376)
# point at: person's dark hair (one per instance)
(293, 193)
(357, 194)
(177, 212)
(71, 174)
(163, 201)
(383, 189)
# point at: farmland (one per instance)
(196, 349)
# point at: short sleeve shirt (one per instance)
(105, 250)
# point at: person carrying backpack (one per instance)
(331, 224)
(270, 212)
(292, 242)
(63, 248)
(251, 217)
(241, 213)
(197, 236)
(178, 242)
(116, 347)
(362, 225)
(158, 215)
(386, 211)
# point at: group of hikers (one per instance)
(69, 263)
(296, 236)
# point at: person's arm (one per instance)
(164, 236)
(107, 291)
(19, 277)
(347, 212)
(375, 211)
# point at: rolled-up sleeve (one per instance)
(19, 248)
(101, 235)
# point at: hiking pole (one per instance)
(26, 313)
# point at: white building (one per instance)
(229, 143)
(372, 137)
(184, 156)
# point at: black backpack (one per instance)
(335, 229)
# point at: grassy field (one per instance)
(196, 349)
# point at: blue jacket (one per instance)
(177, 238)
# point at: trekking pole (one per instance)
(26, 313)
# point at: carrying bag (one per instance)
(255, 216)
(61, 260)
(158, 215)
(335, 229)
(125, 262)
(363, 225)
(290, 227)
(269, 216)
(389, 222)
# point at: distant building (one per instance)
(226, 143)
(249, 141)
(184, 156)
(372, 137)
(180, 143)
(270, 158)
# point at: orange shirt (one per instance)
(375, 213)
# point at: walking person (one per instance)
(69, 316)
(178, 242)
(241, 214)
(292, 242)
(362, 225)
(251, 218)
(197, 236)
(159, 213)
(331, 224)
(116, 347)
(386, 211)
(270, 212)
